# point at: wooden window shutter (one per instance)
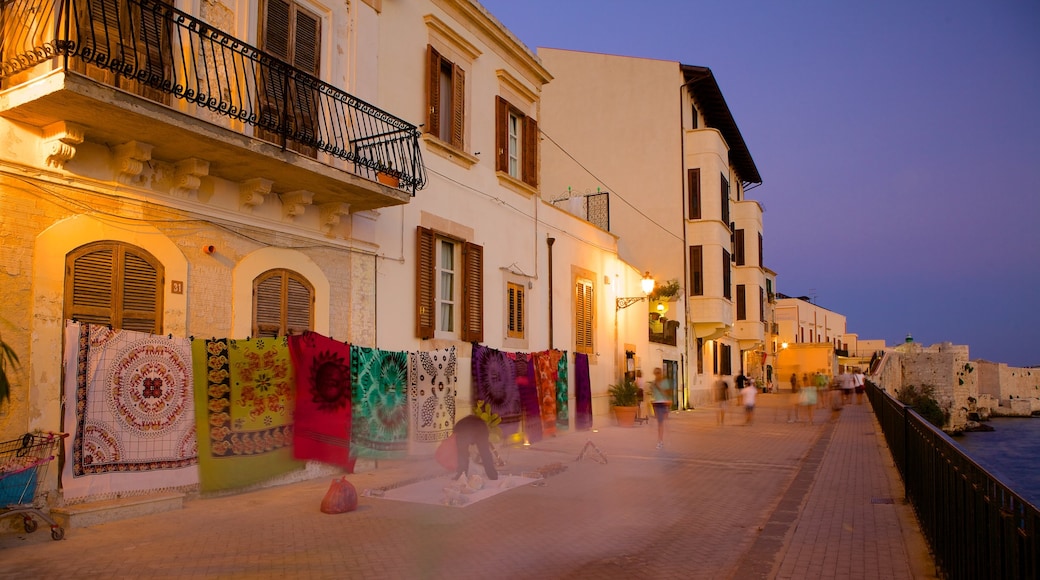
(583, 312)
(696, 271)
(424, 284)
(741, 302)
(472, 293)
(760, 262)
(738, 246)
(276, 28)
(299, 303)
(761, 303)
(515, 328)
(727, 267)
(693, 176)
(501, 134)
(115, 284)
(724, 194)
(530, 152)
(433, 90)
(458, 105)
(283, 304)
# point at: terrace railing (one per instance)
(975, 525)
(163, 51)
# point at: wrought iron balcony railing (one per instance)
(163, 52)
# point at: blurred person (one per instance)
(661, 393)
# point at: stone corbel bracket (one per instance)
(294, 203)
(330, 214)
(131, 158)
(59, 142)
(251, 193)
(187, 177)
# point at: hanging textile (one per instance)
(562, 399)
(244, 394)
(532, 416)
(432, 379)
(130, 411)
(494, 382)
(545, 368)
(379, 422)
(321, 420)
(582, 393)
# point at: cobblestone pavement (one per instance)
(775, 499)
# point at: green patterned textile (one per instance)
(379, 421)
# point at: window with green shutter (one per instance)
(114, 284)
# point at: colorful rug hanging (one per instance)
(545, 368)
(562, 399)
(131, 412)
(532, 417)
(379, 422)
(321, 420)
(244, 394)
(494, 382)
(432, 380)
(582, 393)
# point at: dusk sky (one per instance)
(898, 144)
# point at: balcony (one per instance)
(159, 85)
(710, 317)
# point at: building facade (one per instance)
(366, 170)
(659, 139)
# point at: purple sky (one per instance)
(898, 143)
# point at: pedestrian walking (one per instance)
(860, 382)
(661, 391)
(748, 393)
(722, 396)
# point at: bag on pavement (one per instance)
(341, 497)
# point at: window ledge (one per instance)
(449, 151)
(515, 184)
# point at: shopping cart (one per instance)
(23, 463)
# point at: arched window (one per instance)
(283, 304)
(115, 284)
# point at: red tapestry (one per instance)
(545, 369)
(322, 415)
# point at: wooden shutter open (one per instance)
(472, 293)
(424, 284)
(433, 91)
(458, 106)
(530, 152)
(501, 134)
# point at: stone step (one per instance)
(100, 512)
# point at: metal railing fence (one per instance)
(975, 525)
(154, 45)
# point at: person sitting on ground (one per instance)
(472, 430)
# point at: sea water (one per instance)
(1010, 453)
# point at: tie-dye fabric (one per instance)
(545, 365)
(582, 393)
(432, 381)
(532, 417)
(562, 399)
(494, 382)
(379, 422)
(244, 394)
(321, 421)
(131, 412)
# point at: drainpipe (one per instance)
(549, 242)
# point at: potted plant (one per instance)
(624, 399)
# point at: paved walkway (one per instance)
(775, 499)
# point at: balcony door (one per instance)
(134, 35)
(288, 103)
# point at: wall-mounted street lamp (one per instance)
(647, 285)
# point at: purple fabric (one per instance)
(582, 393)
(529, 398)
(494, 382)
